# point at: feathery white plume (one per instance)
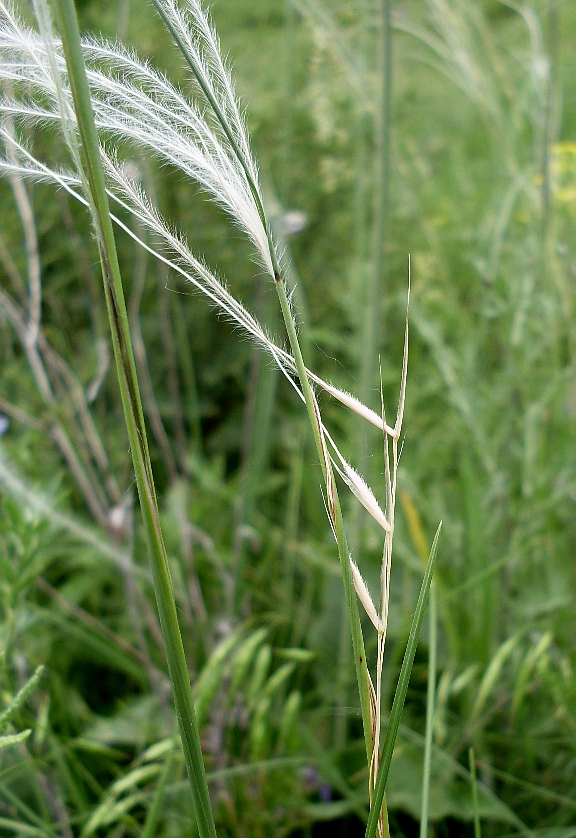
(134, 102)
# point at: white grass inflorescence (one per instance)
(136, 106)
(133, 102)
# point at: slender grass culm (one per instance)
(97, 92)
(84, 148)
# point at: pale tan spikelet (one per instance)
(364, 596)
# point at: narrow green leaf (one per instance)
(400, 694)
(19, 828)
(430, 712)
(477, 830)
(93, 176)
(150, 827)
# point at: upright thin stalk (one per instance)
(430, 708)
(418, 539)
(359, 280)
(133, 413)
(335, 513)
(289, 89)
(375, 286)
(475, 806)
(370, 281)
(548, 126)
(333, 501)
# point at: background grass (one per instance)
(481, 194)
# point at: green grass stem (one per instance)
(333, 501)
(430, 708)
(380, 224)
(475, 806)
(133, 413)
(335, 512)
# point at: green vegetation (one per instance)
(443, 130)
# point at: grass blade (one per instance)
(131, 401)
(430, 709)
(400, 694)
(151, 825)
(477, 830)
